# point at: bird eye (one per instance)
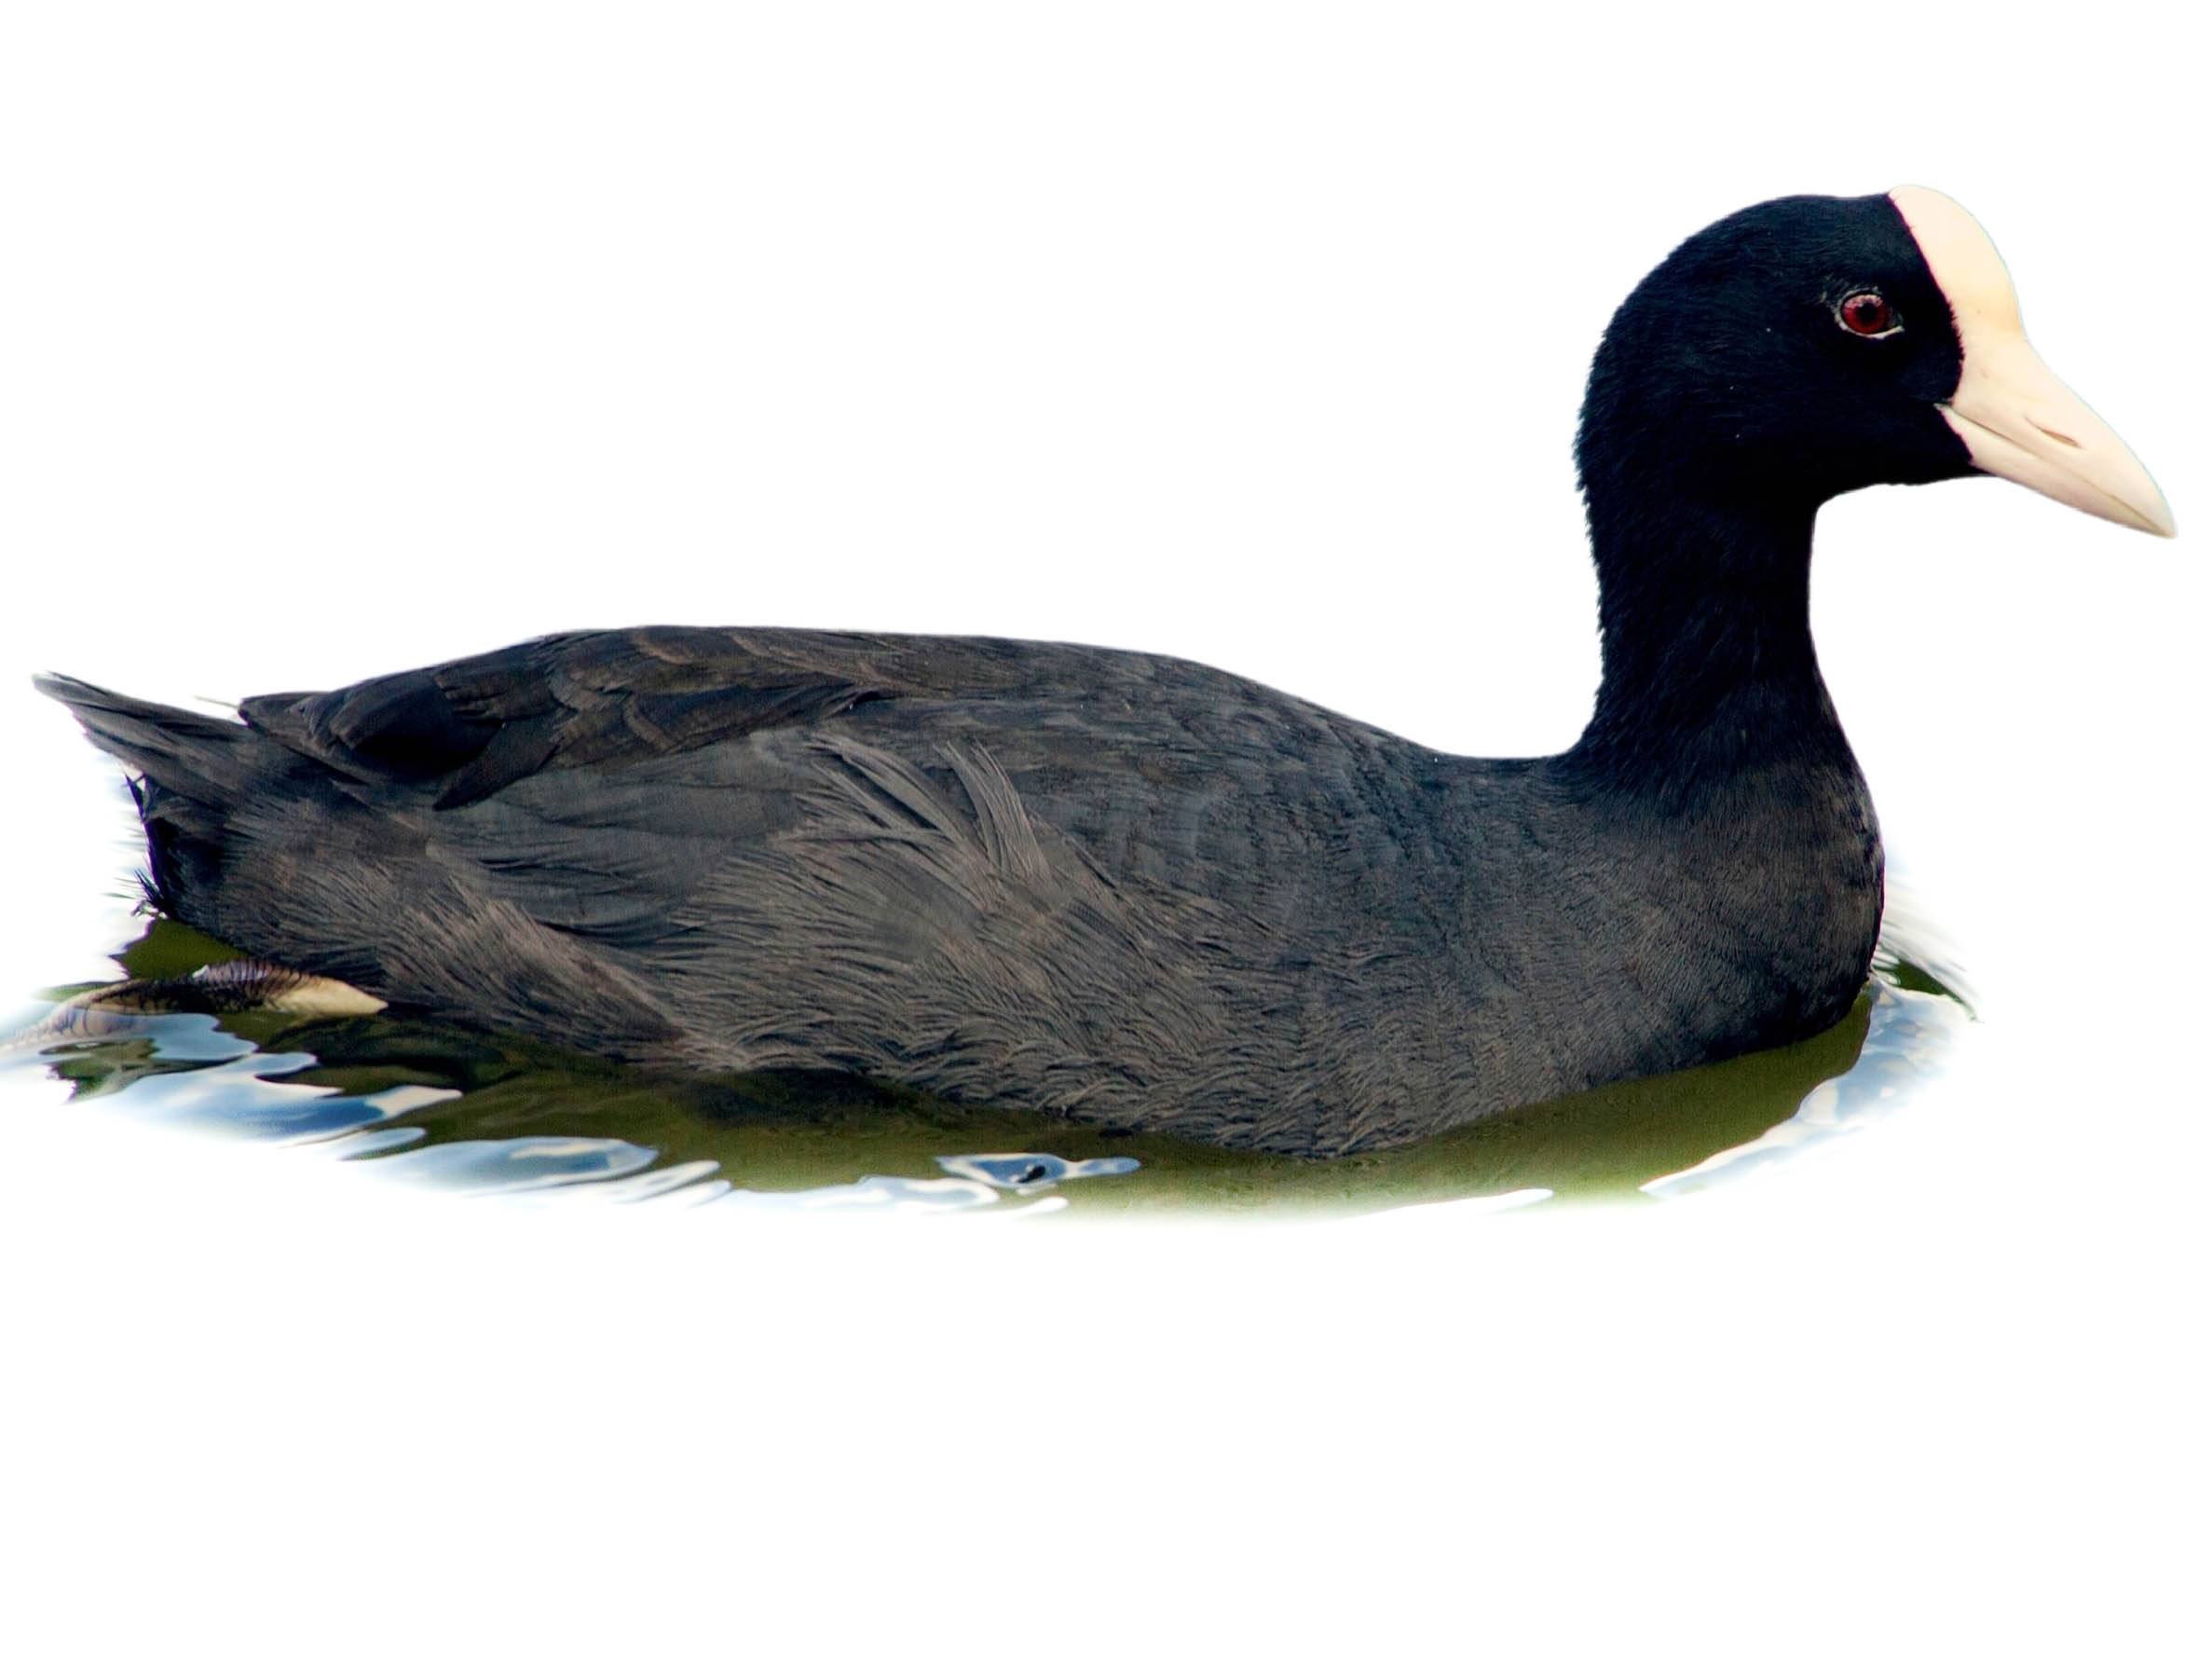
(1867, 313)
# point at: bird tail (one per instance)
(190, 771)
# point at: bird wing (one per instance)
(475, 726)
(598, 777)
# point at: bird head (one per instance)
(1814, 345)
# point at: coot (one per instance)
(1144, 893)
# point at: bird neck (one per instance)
(1709, 665)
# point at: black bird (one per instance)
(1140, 892)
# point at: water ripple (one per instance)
(452, 1111)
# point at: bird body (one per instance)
(1133, 889)
(1126, 888)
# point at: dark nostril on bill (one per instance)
(2056, 437)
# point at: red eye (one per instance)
(1867, 313)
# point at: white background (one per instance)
(337, 340)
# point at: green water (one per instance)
(432, 1104)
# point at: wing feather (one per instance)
(475, 727)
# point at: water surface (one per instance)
(412, 1101)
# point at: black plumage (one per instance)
(1129, 889)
